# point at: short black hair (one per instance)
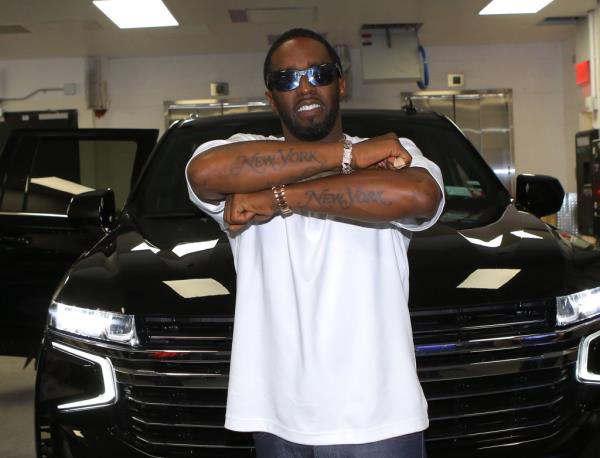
(297, 33)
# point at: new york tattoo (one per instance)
(261, 163)
(346, 199)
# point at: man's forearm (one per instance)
(256, 165)
(369, 195)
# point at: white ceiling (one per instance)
(70, 28)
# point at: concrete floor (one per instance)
(17, 384)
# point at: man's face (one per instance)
(307, 113)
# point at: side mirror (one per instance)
(93, 209)
(539, 194)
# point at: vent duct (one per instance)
(96, 85)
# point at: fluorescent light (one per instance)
(133, 14)
(514, 6)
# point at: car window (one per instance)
(65, 166)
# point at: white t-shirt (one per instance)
(322, 343)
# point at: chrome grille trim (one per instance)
(147, 373)
(551, 383)
(522, 442)
(499, 411)
(545, 424)
(501, 325)
(504, 366)
(174, 404)
(190, 444)
(192, 338)
(174, 425)
(149, 384)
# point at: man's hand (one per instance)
(242, 209)
(384, 151)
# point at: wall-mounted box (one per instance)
(390, 52)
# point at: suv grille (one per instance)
(173, 400)
(170, 421)
(457, 324)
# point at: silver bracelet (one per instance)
(347, 156)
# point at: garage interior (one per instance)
(522, 87)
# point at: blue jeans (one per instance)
(408, 446)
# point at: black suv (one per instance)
(505, 312)
(40, 170)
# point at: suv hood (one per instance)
(161, 266)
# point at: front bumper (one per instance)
(526, 395)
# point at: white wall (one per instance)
(18, 78)
(539, 79)
(540, 76)
(573, 105)
(138, 87)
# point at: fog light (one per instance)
(109, 394)
(588, 359)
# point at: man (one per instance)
(322, 360)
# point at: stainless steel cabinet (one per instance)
(485, 117)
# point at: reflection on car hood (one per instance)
(157, 266)
(162, 266)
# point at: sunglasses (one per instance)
(317, 75)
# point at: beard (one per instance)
(315, 130)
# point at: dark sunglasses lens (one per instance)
(323, 75)
(285, 80)
(319, 75)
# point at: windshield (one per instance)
(474, 196)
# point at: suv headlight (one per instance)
(578, 306)
(98, 324)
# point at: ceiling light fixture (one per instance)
(514, 6)
(134, 14)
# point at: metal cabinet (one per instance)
(485, 118)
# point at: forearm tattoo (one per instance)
(261, 163)
(345, 199)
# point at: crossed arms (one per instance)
(243, 173)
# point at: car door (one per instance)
(40, 170)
